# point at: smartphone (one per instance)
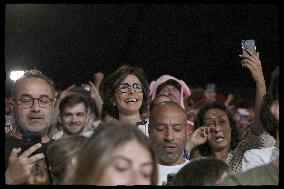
(82, 90)
(248, 44)
(30, 140)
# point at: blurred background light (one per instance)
(14, 75)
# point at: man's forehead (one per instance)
(76, 106)
(33, 85)
(164, 110)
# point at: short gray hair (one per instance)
(32, 74)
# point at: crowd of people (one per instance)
(124, 130)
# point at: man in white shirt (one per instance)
(73, 116)
(168, 135)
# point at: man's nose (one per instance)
(73, 119)
(35, 106)
(169, 135)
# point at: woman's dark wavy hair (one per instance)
(269, 122)
(205, 149)
(111, 83)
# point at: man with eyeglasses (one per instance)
(33, 98)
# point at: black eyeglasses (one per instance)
(125, 87)
(27, 102)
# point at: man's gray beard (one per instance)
(24, 131)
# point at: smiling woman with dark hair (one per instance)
(124, 94)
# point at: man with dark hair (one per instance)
(74, 114)
(33, 97)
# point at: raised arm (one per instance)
(253, 63)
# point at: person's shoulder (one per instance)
(260, 152)
(261, 175)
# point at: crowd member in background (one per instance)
(124, 94)
(116, 155)
(170, 86)
(61, 156)
(9, 118)
(56, 126)
(91, 92)
(210, 92)
(168, 136)
(262, 165)
(177, 90)
(221, 139)
(33, 105)
(229, 102)
(193, 110)
(243, 118)
(74, 114)
(93, 119)
(201, 172)
(270, 120)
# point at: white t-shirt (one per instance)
(257, 157)
(144, 128)
(165, 170)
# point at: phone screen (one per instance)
(248, 44)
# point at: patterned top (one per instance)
(234, 159)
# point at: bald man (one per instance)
(168, 135)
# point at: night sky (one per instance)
(198, 43)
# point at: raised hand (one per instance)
(252, 62)
(99, 76)
(198, 137)
(66, 92)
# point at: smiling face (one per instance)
(34, 119)
(129, 102)
(74, 119)
(131, 165)
(219, 119)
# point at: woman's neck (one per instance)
(132, 119)
(222, 155)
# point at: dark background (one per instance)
(198, 43)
